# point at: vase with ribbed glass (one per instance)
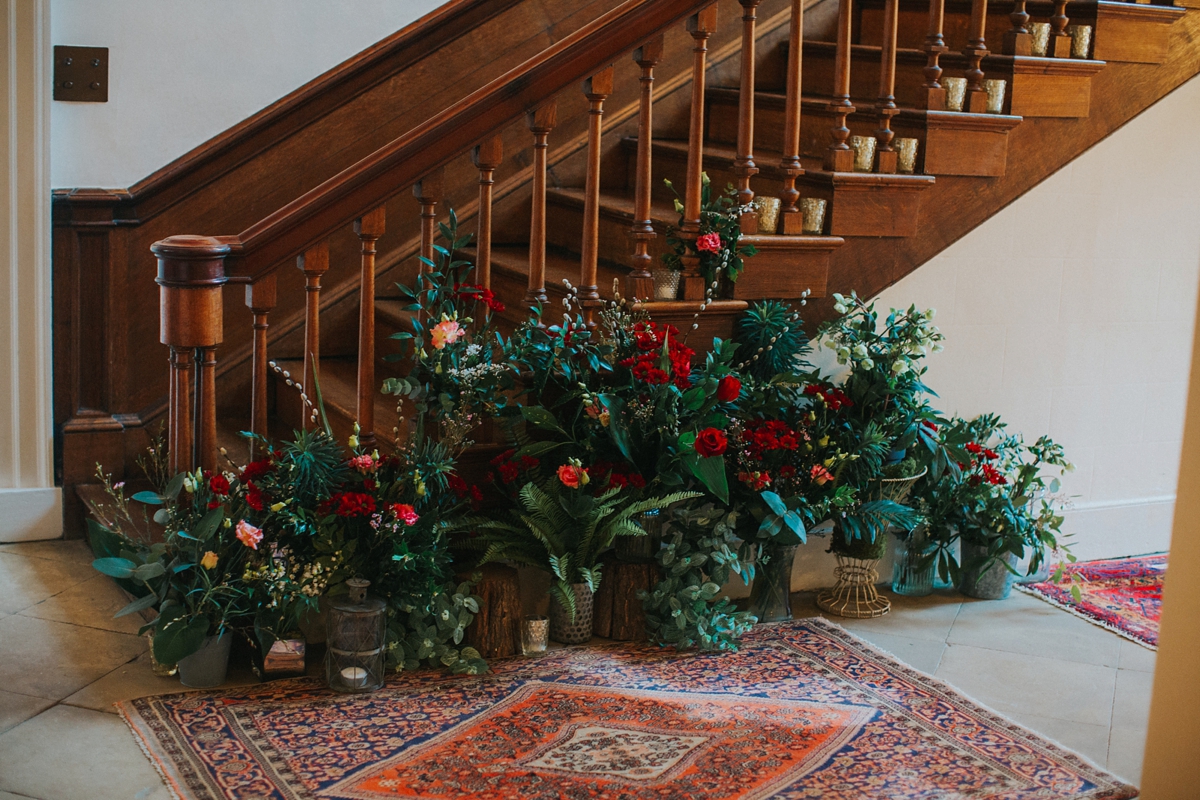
(771, 594)
(914, 564)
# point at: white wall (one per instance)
(1070, 313)
(29, 503)
(183, 71)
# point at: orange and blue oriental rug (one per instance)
(1121, 594)
(804, 710)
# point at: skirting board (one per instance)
(28, 515)
(1100, 530)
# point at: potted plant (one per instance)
(561, 526)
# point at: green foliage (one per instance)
(720, 215)
(771, 340)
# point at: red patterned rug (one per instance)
(1121, 594)
(804, 710)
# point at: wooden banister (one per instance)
(541, 121)
(839, 157)
(975, 51)
(639, 284)
(743, 165)
(486, 157)
(1060, 40)
(260, 299)
(791, 219)
(700, 26)
(935, 46)
(369, 228)
(314, 263)
(886, 105)
(1018, 41)
(597, 89)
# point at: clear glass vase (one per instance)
(913, 569)
(771, 595)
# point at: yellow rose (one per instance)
(209, 561)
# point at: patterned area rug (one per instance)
(1121, 594)
(805, 710)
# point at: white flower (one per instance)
(839, 308)
(937, 348)
(867, 363)
(860, 350)
(900, 367)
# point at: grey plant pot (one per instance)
(993, 582)
(562, 628)
(207, 667)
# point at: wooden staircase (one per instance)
(598, 214)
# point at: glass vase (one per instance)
(771, 595)
(913, 568)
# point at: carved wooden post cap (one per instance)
(191, 272)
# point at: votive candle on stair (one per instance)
(767, 210)
(813, 210)
(1041, 38)
(906, 155)
(864, 153)
(995, 95)
(956, 93)
(1081, 40)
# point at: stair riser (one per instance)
(562, 219)
(942, 150)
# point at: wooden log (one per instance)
(496, 631)
(617, 611)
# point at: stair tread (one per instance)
(916, 55)
(560, 264)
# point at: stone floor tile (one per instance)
(1131, 701)
(16, 708)
(136, 679)
(1090, 741)
(53, 659)
(1136, 656)
(1015, 683)
(28, 581)
(91, 604)
(75, 550)
(70, 753)
(1025, 624)
(1126, 749)
(921, 654)
(10, 796)
(930, 618)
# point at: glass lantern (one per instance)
(354, 641)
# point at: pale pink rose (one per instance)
(446, 332)
(249, 535)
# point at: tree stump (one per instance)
(496, 631)
(618, 609)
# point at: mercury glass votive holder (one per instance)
(813, 210)
(767, 210)
(1041, 37)
(1081, 40)
(906, 155)
(864, 153)
(535, 635)
(995, 89)
(956, 93)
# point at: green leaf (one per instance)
(148, 571)
(149, 498)
(175, 639)
(115, 567)
(537, 448)
(541, 418)
(137, 605)
(694, 398)
(711, 472)
(162, 516)
(174, 486)
(775, 503)
(208, 525)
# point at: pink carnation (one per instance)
(405, 513)
(249, 535)
(446, 332)
(362, 463)
(709, 242)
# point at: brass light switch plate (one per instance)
(81, 74)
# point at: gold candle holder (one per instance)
(995, 89)
(813, 209)
(767, 209)
(906, 154)
(535, 635)
(1041, 37)
(1081, 40)
(864, 153)
(956, 93)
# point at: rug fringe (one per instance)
(1072, 609)
(997, 716)
(168, 782)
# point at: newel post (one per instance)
(191, 274)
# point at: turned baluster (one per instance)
(975, 51)
(428, 191)
(191, 273)
(886, 157)
(597, 88)
(369, 227)
(313, 262)
(743, 163)
(639, 284)
(839, 157)
(701, 26)
(486, 156)
(1060, 40)
(791, 219)
(260, 298)
(1018, 41)
(541, 121)
(935, 45)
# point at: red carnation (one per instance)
(354, 504)
(711, 442)
(255, 470)
(218, 484)
(729, 389)
(255, 497)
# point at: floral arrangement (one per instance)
(719, 241)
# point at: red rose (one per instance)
(711, 442)
(709, 242)
(217, 484)
(729, 389)
(572, 476)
